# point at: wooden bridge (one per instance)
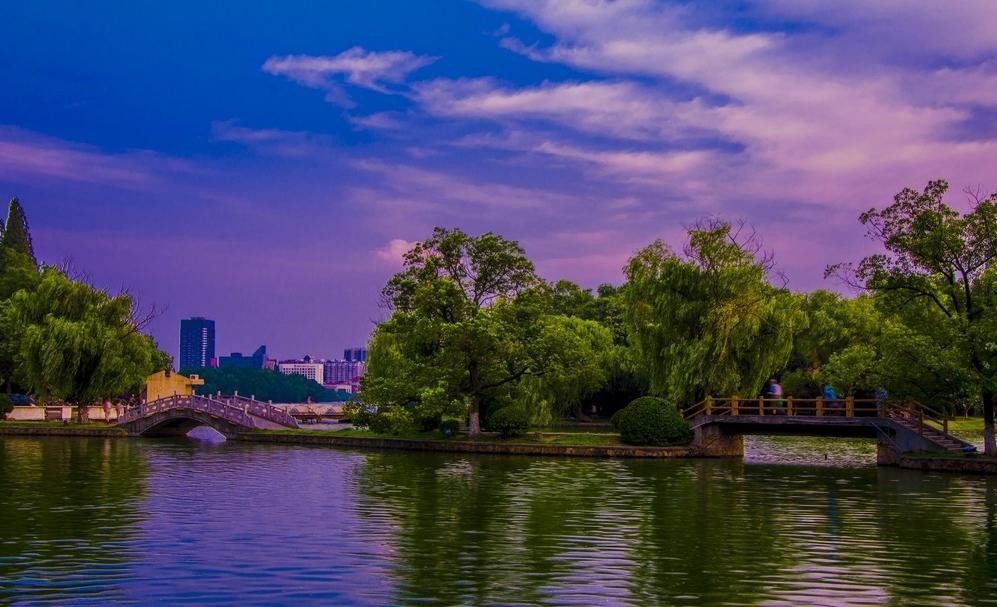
(178, 415)
(720, 424)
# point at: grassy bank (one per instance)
(966, 424)
(577, 439)
(59, 429)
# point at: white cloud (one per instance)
(375, 70)
(24, 153)
(289, 144)
(394, 252)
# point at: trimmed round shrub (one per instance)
(509, 421)
(449, 427)
(651, 421)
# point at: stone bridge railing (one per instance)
(237, 410)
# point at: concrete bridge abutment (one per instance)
(713, 441)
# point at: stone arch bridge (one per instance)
(178, 415)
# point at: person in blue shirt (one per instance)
(830, 396)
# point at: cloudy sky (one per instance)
(265, 164)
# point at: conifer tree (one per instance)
(16, 236)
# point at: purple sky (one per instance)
(266, 166)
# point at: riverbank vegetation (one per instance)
(62, 339)
(264, 385)
(474, 330)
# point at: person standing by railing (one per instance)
(830, 397)
(773, 391)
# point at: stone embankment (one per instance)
(931, 463)
(42, 429)
(466, 446)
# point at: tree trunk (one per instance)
(82, 413)
(989, 445)
(474, 419)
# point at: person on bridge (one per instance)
(830, 396)
(773, 391)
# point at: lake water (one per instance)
(100, 522)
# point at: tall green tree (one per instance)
(470, 320)
(16, 236)
(18, 271)
(709, 321)
(936, 275)
(76, 343)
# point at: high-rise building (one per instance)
(197, 343)
(355, 355)
(237, 361)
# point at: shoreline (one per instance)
(466, 446)
(911, 461)
(9, 429)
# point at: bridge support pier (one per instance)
(714, 441)
(886, 452)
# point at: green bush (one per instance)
(6, 405)
(449, 427)
(651, 421)
(509, 421)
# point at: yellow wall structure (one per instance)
(166, 383)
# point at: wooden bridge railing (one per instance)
(809, 407)
(921, 416)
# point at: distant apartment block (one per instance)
(314, 371)
(236, 360)
(197, 343)
(343, 371)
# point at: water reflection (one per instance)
(68, 509)
(185, 522)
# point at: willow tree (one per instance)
(76, 343)
(709, 322)
(936, 275)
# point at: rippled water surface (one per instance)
(98, 522)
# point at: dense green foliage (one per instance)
(709, 321)
(474, 330)
(61, 339)
(509, 421)
(449, 427)
(75, 343)
(6, 405)
(651, 421)
(935, 282)
(470, 323)
(264, 385)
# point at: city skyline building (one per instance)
(197, 343)
(236, 360)
(357, 354)
(305, 367)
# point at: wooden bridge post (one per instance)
(733, 405)
(789, 406)
(849, 406)
(820, 406)
(761, 405)
(709, 405)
